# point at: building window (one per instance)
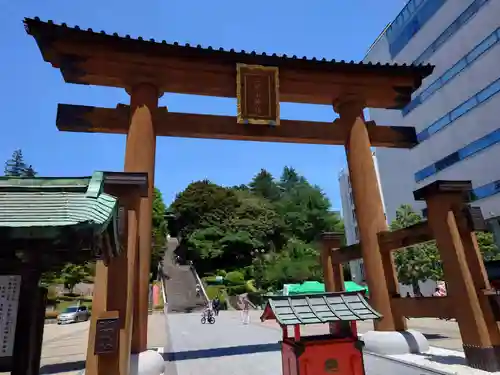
(470, 104)
(456, 25)
(409, 22)
(465, 152)
(486, 191)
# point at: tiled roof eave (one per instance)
(36, 27)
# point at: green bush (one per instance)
(236, 289)
(74, 298)
(251, 286)
(51, 293)
(218, 291)
(214, 291)
(158, 307)
(211, 280)
(222, 273)
(234, 278)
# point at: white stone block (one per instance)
(392, 342)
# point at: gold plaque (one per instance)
(257, 92)
(331, 365)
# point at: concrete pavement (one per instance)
(229, 347)
(190, 346)
(65, 347)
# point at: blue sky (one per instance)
(31, 88)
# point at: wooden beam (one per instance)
(87, 57)
(424, 307)
(346, 254)
(171, 124)
(412, 235)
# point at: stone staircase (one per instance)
(180, 283)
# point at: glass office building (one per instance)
(456, 112)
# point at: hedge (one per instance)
(234, 278)
(51, 314)
(75, 298)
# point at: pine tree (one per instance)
(263, 185)
(16, 167)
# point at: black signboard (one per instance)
(106, 336)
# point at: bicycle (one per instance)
(207, 316)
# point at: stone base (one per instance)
(392, 342)
(149, 362)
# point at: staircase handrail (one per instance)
(162, 283)
(199, 282)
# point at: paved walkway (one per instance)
(226, 347)
(229, 347)
(193, 348)
(65, 347)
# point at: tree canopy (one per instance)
(267, 228)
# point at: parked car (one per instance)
(73, 314)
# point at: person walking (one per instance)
(198, 290)
(216, 305)
(245, 314)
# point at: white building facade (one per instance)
(350, 222)
(456, 112)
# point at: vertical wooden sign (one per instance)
(257, 92)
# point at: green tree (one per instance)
(487, 246)
(418, 262)
(159, 231)
(290, 179)
(17, 167)
(267, 230)
(305, 209)
(202, 204)
(72, 274)
(263, 185)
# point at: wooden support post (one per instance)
(443, 198)
(328, 242)
(105, 286)
(140, 157)
(474, 260)
(114, 288)
(380, 272)
(132, 207)
(24, 360)
(333, 273)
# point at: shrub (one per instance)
(251, 286)
(210, 280)
(214, 291)
(234, 278)
(222, 273)
(51, 314)
(220, 291)
(158, 307)
(75, 298)
(236, 290)
(51, 293)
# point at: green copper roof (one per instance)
(30, 206)
(319, 308)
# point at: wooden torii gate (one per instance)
(147, 69)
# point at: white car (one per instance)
(73, 314)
